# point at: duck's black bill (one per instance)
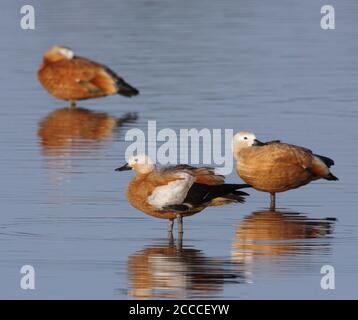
(124, 168)
(258, 143)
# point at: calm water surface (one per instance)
(267, 67)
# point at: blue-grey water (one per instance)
(265, 66)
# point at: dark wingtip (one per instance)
(241, 193)
(237, 196)
(244, 185)
(240, 199)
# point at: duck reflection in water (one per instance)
(66, 130)
(169, 271)
(69, 136)
(266, 236)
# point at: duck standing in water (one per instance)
(277, 167)
(71, 78)
(178, 191)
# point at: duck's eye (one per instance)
(245, 138)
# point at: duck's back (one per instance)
(275, 167)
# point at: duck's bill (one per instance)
(258, 143)
(123, 168)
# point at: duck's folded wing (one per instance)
(106, 79)
(173, 192)
(98, 76)
(93, 77)
(286, 154)
(309, 153)
(317, 165)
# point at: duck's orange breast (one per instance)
(76, 79)
(275, 168)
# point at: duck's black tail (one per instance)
(229, 193)
(125, 89)
(331, 177)
(202, 193)
(327, 161)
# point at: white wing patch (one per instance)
(173, 193)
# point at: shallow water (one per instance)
(267, 67)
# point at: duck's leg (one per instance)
(180, 231)
(180, 224)
(180, 241)
(170, 225)
(72, 104)
(273, 201)
(170, 239)
(170, 231)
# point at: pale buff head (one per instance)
(242, 140)
(58, 53)
(141, 164)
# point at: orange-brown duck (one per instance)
(177, 191)
(71, 78)
(277, 167)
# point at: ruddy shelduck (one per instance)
(177, 191)
(277, 167)
(71, 78)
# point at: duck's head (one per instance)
(141, 164)
(242, 140)
(58, 53)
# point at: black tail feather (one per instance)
(327, 161)
(331, 177)
(240, 193)
(202, 193)
(238, 196)
(125, 89)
